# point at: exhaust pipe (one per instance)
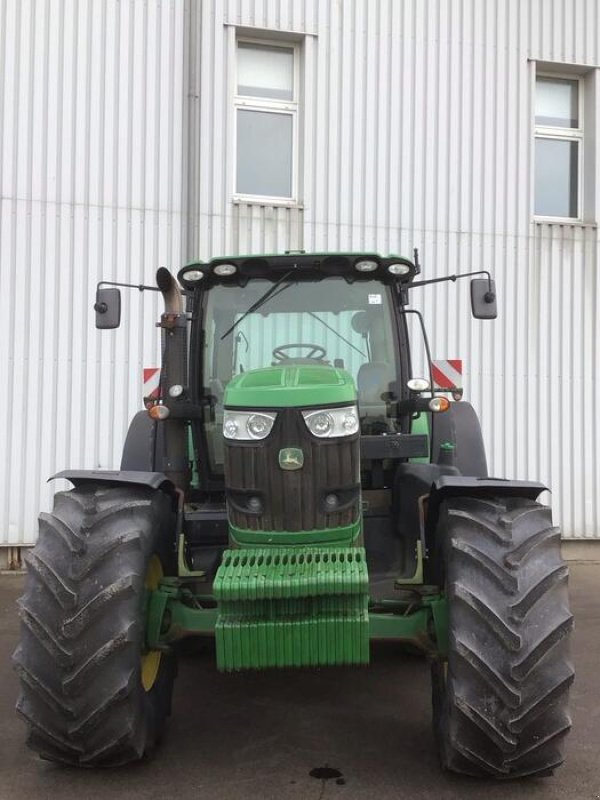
(173, 322)
(170, 291)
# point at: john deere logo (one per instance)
(291, 458)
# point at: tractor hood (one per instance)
(299, 385)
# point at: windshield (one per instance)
(328, 321)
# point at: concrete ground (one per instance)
(261, 735)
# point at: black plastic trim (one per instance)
(456, 484)
(459, 486)
(153, 480)
(460, 425)
(140, 449)
(395, 445)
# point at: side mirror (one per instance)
(483, 298)
(108, 308)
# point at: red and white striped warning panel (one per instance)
(151, 384)
(447, 375)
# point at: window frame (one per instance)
(271, 106)
(563, 134)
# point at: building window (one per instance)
(266, 112)
(558, 146)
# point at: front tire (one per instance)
(500, 699)
(91, 693)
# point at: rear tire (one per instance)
(82, 660)
(500, 699)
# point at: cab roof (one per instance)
(303, 266)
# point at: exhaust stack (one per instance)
(173, 323)
(170, 291)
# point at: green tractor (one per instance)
(296, 492)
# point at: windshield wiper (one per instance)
(261, 301)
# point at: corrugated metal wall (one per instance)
(116, 156)
(92, 186)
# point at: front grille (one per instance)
(292, 500)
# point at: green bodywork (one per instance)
(291, 386)
(292, 598)
(420, 424)
(346, 535)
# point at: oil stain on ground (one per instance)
(327, 773)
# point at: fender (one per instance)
(144, 448)
(153, 480)
(459, 486)
(460, 425)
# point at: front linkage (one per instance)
(278, 639)
(303, 606)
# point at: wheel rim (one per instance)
(150, 665)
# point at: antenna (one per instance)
(416, 260)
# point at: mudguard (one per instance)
(144, 446)
(459, 486)
(153, 480)
(460, 425)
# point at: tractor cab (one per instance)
(300, 317)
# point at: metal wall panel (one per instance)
(417, 130)
(92, 187)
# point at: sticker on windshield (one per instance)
(374, 299)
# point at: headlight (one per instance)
(418, 385)
(366, 265)
(320, 423)
(193, 275)
(259, 426)
(247, 425)
(224, 270)
(398, 269)
(328, 422)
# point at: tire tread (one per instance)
(501, 710)
(82, 629)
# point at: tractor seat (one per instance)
(373, 384)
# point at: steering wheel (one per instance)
(315, 352)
